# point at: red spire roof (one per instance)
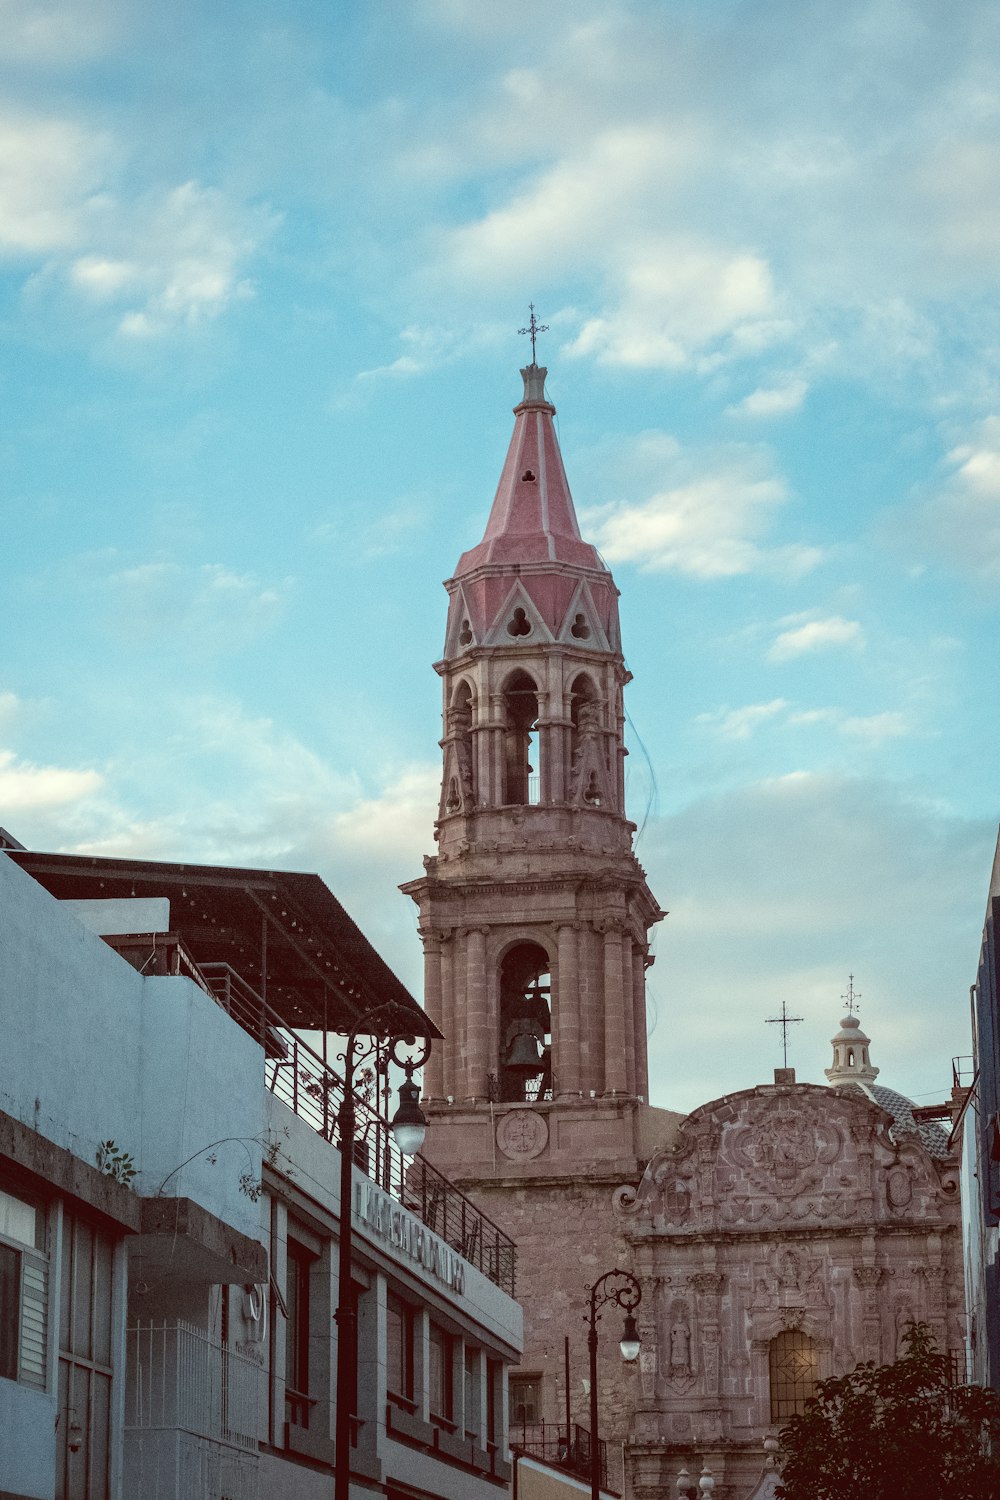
(532, 538)
(532, 519)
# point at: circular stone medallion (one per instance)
(522, 1135)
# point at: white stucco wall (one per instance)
(202, 1082)
(93, 1051)
(27, 1441)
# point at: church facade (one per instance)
(789, 1232)
(779, 1235)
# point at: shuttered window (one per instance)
(24, 1286)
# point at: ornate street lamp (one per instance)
(409, 1127)
(622, 1288)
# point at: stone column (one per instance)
(590, 983)
(558, 758)
(451, 1022)
(495, 767)
(639, 1021)
(707, 1286)
(869, 1278)
(615, 1078)
(434, 1071)
(478, 1063)
(566, 1017)
(628, 1017)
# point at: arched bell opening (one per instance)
(520, 740)
(524, 1066)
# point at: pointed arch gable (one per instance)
(499, 633)
(583, 616)
(461, 634)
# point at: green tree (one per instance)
(902, 1431)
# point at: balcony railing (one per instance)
(298, 1075)
(548, 1441)
(180, 1378)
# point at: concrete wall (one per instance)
(27, 1441)
(201, 1081)
(94, 1052)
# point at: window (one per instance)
(471, 1391)
(24, 1276)
(520, 714)
(794, 1369)
(525, 1400)
(399, 1351)
(441, 1375)
(10, 1310)
(297, 1334)
(494, 1402)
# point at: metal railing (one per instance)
(962, 1071)
(179, 1377)
(548, 1441)
(297, 1074)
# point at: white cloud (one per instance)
(870, 729)
(175, 256)
(740, 723)
(675, 300)
(207, 607)
(51, 171)
(772, 401)
(180, 259)
(25, 787)
(221, 786)
(54, 32)
(960, 525)
(815, 635)
(707, 517)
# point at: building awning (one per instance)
(284, 933)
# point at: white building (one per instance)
(169, 1206)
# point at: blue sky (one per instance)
(262, 268)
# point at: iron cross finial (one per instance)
(784, 1021)
(852, 997)
(534, 328)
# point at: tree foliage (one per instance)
(902, 1431)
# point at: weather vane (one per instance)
(852, 997)
(534, 328)
(784, 1021)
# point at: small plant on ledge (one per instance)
(115, 1163)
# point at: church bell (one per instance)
(524, 1055)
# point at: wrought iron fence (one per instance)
(297, 1074)
(550, 1442)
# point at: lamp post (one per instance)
(409, 1127)
(622, 1288)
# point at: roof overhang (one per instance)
(283, 932)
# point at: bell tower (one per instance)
(534, 912)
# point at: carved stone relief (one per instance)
(522, 1135)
